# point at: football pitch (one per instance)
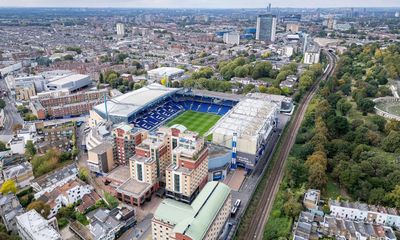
(195, 121)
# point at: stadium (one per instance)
(239, 123)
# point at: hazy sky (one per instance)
(200, 3)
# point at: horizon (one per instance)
(198, 4)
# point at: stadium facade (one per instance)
(244, 128)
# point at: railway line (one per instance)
(260, 218)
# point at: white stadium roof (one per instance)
(132, 102)
(246, 118)
(168, 71)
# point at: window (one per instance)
(177, 184)
(139, 172)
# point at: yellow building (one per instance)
(101, 158)
(188, 172)
(25, 91)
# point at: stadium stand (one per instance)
(172, 106)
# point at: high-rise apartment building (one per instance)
(126, 137)
(120, 29)
(266, 27)
(188, 172)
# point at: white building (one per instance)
(364, 212)
(232, 38)
(69, 193)
(17, 145)
(312, 55)
(71, 82)
(32, 226)
(170, 73)
(120, 29)
(251, 121)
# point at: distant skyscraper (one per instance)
(266, 27)
(269, 8)
(397, 14)
(120, 29)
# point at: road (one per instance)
(11, 115)
(260, 218)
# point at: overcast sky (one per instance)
(200, 3)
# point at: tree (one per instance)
(262, 89)
(111, 200)
(164, 81)
(261, 69)
(337, 125)
(343, 106)
(375, 196)
(292, 207)
(30, 149)
(317, 177)
(83, 174)
(8, 186)
(2, 147)
(394, 197)
(16, 128)
(274, 90)
(379, 121)
(2, 104)
(101, 78)
(40, 207)
(248, 88)
(366, 105)
(391, 143)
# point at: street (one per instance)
(11, 115)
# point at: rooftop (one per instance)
(119, 174)
(168, 71)
(133, 102)
(134, 188)
(38, 227)
(246, 118)
(67, 79)
(194, 220)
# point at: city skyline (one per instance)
(198, 3)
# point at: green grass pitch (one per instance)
(195, 121)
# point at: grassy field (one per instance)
(196, 121)
(393, 108)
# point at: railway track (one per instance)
(260, 218)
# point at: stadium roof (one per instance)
(246, 118)
(133, 102)
(168, 71)
(194, 220)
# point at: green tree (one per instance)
(343, 106)
(83, 174)
(30, 149)
(274, 90)
(391, 143)
(2, 147)
(366, 105)
(394, 197)
(262, 89)
(2, 104)
(111, 200)
(292, 207)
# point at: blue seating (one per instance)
(156, 115)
